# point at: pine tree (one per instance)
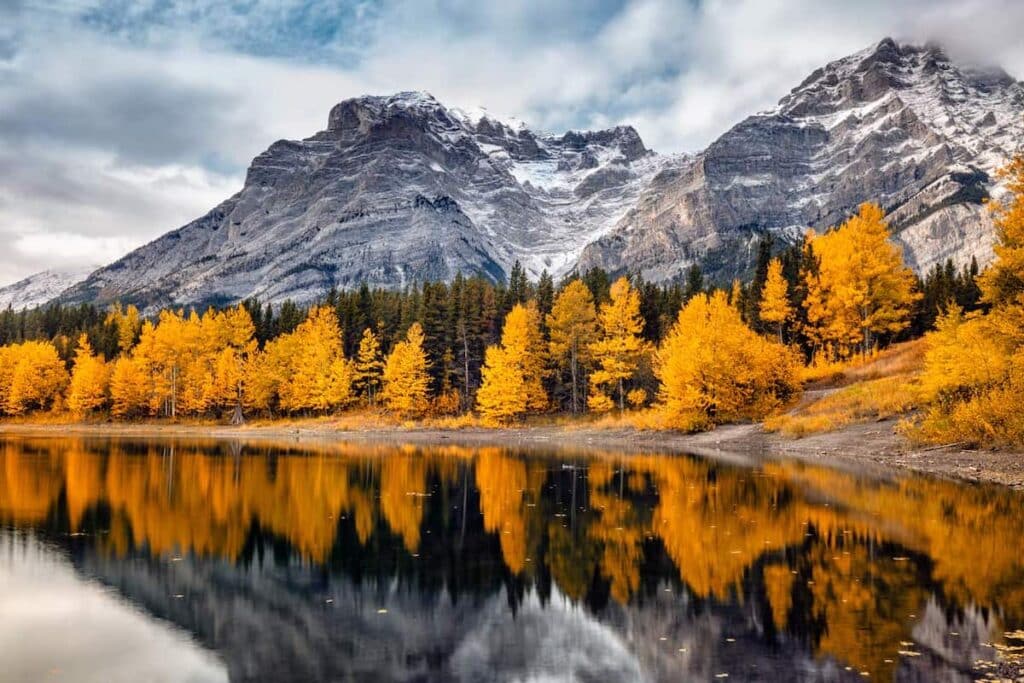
(774, 306)
(694, 283)
(572, 326)
(620, 347)
(406, 381)
(369, 367)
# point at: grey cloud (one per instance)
(123, 127)
(138, 119)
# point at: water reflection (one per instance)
(353, 562)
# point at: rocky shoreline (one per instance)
(872, 448)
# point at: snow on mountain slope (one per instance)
(899, 125)
(397, 189)
(42, 287)
(400, 189)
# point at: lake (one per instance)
(152, 560)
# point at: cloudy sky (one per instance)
(123, 119)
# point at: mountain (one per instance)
(401, 188)
(397, 189)
(42, 287)
(899, 125)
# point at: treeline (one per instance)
(702, 354)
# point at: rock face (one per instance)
(397, 189)
(899, 125)
(42, 287)
(400, 189)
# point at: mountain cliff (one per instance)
(396, 189)
(401, 188)
(899, 125)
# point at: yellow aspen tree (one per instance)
(502, 393)
(736, 295)
(8, 359)
(37, 378)
(974, 364)
(369, 367)
(227, 348)
(128, 323)
(572, 326)
(129, 380)
(714, 369)
(862, 288)
(513, 373)
(319, 376)
(90, 380)
(620, 347)
(405, 380)
(1003, 281)
(775, 307)
(521, 335)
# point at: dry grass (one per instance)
(875, 399)
(885, 385)
(905, 358)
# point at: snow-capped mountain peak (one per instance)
(42, 287)
(400, 188)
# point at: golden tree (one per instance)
(862, 288)
(572, 326)
(90, 379)
(405, 379)
(715, 369)
(513, 373)
(129, 380)
(502, 393)
(35, 378)
(775, 307)
(620, 347)
(128, 324)
(1002, 283)
(306, 369)
(369, 367)
(974, 365)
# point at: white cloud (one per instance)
(117, 129)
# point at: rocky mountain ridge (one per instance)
(42, 287)
(899, 125)
(396, 189)
(401, 188)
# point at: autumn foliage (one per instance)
(861, 290)
(682, 356)
(974, 364)
(715, 369)
(513, 372)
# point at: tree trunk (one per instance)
(238, 418)
(575, 395)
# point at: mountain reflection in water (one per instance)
(400, 563)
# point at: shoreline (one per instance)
(872, 448)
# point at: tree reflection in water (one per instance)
(496, 563)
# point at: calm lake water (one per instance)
(126, 560)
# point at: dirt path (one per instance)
(872, 448)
